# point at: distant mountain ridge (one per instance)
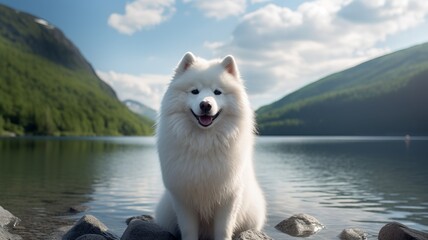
(383, 96)
(141, 109)
(47, 87)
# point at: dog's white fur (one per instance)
(211, 188)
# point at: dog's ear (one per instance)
(230, 66)
(185, 63)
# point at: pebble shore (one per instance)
(89, 227)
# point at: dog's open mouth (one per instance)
(205, 120)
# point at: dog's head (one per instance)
(205, 91)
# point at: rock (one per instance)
(252, 235)
(398, 231)
(59, 232)
(91, 237)
(5, 235)
(300, 225)
(89, 224)
(139, 229)
(145, 218)
(7, 219)
(77, 209)
(353, 234)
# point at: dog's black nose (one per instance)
(205, 106)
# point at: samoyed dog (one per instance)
(205, 137)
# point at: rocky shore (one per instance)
(8, 221)
(89, 227)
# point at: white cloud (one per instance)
(145, 88)
(142, 14)
(219, 9)
(280, 50)
(259, 1)
(213, 45)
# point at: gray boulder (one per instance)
(139, 229)
(59, 232)
(77, 209)
(252, 235)
(5, 235)
(91, 237)
(89, 224)
(145, 218)
(300, 225)
(398, 231)
(353, 234)
(7, 219)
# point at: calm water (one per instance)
(344, 182)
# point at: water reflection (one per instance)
(344, 182)
(40, 178)
(347, 181)
(128, 183)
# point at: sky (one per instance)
(280, 46)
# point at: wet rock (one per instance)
(7, 219)
(300, 225)
(252, 235)
(353, 234)
(5, 235)
(89, 224)
(77, 209)
(91, 237)
(59, 232)
(398, 231)
(139, 229)
(145, 218)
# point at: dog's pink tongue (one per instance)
(205, 120)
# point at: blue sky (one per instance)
(280, 46)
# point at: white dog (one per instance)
(205, 137)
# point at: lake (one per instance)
(361, 182)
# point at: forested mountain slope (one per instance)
(384, 96)
(48, 88)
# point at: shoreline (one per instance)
(144, 227)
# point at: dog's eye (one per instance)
(217, 92)
(195, 91)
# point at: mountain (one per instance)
(383, 96)
(48, 88)
(141, 109)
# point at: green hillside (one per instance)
(384, 96)
(48, 88)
